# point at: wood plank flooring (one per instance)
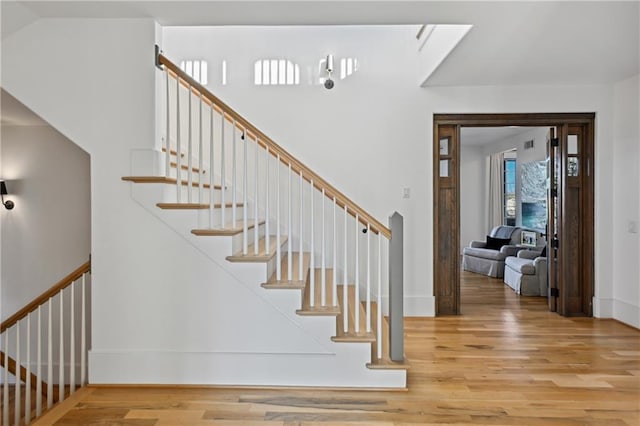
(506, 361)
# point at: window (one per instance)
(509, 201)
(196, 70)
(348, 66)
(276, 72)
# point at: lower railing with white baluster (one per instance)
(44, 349)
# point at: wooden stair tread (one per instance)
(262, 255)
(318, 309)
(296, 281)
(230, 229)
(173, 152)
(351, 336)
(192, 206)
(384, 363)
(164, 179)
(174, 165)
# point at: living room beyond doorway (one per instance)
(569, 186)
(503, 174)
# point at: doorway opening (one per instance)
(503, 171)
(568, 148)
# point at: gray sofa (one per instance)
(526, 273)
(481, 260)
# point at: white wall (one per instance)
(355, 135)
(48, 233)
(157, 300)
(626, 203)
(473, 195)
(379, 125)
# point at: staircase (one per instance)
(297, 242)
(44, 349)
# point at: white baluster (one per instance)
(379, 319)
(27, 396)
(5, 391)
(190, 152)
(368, 304)
(267, 237)
(356, 304)
(323, 267)
(211, 168)
(223, 173)
(289, 233)
(72, 342)
(168, 134)
(50, 354)
(245, 181)
(234, 218)
(39, 364)
(278, 266)
(312, 266)
(17, 397)
(83, 334)
(345, 287)
(61, 359)
(335, 256)
(300, 248)
(178, 145)
(256, 199)
(200, 159)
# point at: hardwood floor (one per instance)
(506, 360)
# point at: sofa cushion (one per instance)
(496, 243)
(484, 253)
(524, 266)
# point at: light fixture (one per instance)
(328, 83)
(3, 191)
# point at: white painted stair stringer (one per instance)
(345, 363)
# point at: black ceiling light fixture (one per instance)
(3, 191)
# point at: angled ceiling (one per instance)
(511, 42)
(14, 113)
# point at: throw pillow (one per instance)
(496, 243)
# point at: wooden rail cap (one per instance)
(61, 285)
(276, 150)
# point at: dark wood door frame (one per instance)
(446, 203)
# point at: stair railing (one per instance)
(202, 130)
(49, 322)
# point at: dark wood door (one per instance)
(575, 265)
(447, 219)
(573, 207)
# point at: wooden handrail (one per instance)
(285, 157)
(23, 376)
(61, 285)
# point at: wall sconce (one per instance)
(3, 191)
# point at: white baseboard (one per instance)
(626, 312)
(602, 308)
(243, 369)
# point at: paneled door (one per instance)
(570, 204)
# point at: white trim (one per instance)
(602, 308)
(345, 368)
(626, 312)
